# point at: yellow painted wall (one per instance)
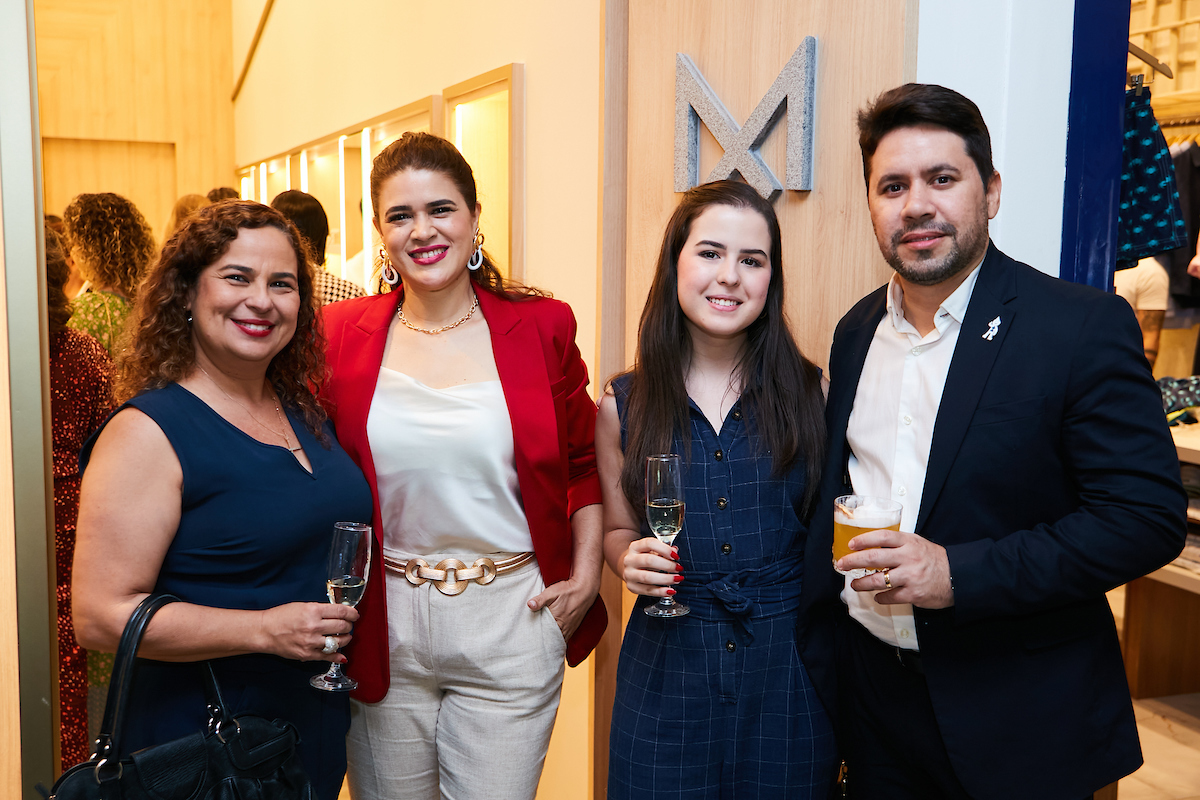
(135, 99)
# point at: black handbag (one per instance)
(236, 758)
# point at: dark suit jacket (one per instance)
(1052, 478)
(553, 420)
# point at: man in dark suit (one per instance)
(1015, 419)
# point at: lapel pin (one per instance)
(993, 326)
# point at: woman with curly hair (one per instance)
(80, 399)
(112, 245)
(218, 480)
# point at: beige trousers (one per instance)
(475, 683)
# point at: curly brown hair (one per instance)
(419, 150)
(58, 307)
(161, 350)
(112, 241)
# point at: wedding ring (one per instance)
(887, 577)
(331, 646)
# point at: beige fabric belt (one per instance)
(451, 576)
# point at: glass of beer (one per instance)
(854, 514)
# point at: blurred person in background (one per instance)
(184, 207)
(309, 217)
(80, 399)
(75, 284)
(112, 244)
(223, 193)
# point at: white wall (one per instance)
(321, 67)
(1013, 58)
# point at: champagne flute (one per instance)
(349, 562)
(664, 512)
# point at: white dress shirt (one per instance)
(891, 428)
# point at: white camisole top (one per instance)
(445, 470)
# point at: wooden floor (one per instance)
(1169, 728)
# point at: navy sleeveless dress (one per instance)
(717, 704)
(254, 533)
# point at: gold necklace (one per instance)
(434, 331)
(278, 413)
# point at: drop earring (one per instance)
(390, 275)
(476, 259)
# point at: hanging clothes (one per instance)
(1150, 220)
(1185, 158)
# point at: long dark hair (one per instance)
(161, 350)
(417, 150)
(781, 389)
(58, 307)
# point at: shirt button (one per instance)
(730, 646)
(904, 634)
(727, 548)
(902, 491)
(737, 414)
(907, 419)
(721, 503)
(719, 455)
(916, 351)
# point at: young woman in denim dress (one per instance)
(716, 704)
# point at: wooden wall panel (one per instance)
(864, 47)
(144, 172)
(120, 73)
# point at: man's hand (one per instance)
(917, 570)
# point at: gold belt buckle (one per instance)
(450, 576)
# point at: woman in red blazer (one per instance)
(488, 545)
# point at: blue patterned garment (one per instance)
(717, 704)
(1150, 220)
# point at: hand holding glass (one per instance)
(349, 563)
(664, 512)
(854, 514)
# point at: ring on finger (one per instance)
(331, 646)
(887, 578)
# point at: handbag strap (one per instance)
(108, 742)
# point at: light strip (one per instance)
(287, 172)
(342, 201)
(262, 182)
(368, 211)
(304, 170)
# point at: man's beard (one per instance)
(925, 269)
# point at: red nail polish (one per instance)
(679, 567)
(675, 553)
(678, 578)
(670, 592)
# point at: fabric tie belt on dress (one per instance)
(451, 576)
(764, 592)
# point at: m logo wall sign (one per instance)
(792, 93)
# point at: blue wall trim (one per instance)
(1094, 125)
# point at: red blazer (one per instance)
(553, 421)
